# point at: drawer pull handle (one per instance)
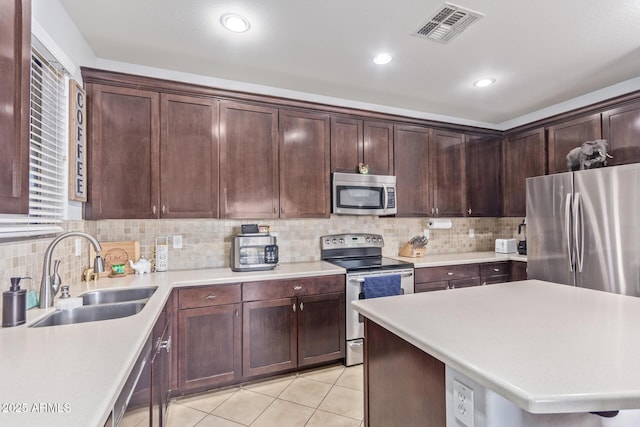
(294, 307)
(164, 345)
(297, 288)
(449, 273)
(210, 296)
(496, 269)
(301, 306)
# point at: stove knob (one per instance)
(335, 241)
(341, 240)
(327, 241)
(368, 239)
(379, 239)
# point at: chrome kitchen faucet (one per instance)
(50, 285)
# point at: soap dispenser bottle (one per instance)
(14, 304)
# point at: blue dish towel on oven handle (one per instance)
(382, 286)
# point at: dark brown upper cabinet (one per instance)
(123, 150)
(484, 175)
(15, 64)
(248, 161)
(523, 156)
(355, 141)
(566, 136)
(151, 155)
(188, 157)
(621, 128)
(304, 164)
(448, 173)
(411, 157)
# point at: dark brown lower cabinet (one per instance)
(269, 336)
(161, 370)
(404, 386)
(292, 323)
(209, 352)
(518, 271)
(321, 328)
(461, 276)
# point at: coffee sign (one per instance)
(77, 143)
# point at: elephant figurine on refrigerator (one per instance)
(591, 155)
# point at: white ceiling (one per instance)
(540, 52)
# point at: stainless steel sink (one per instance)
(110, 296)
(91, 313)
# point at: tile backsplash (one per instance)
(207, 242)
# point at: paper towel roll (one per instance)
(440, 223)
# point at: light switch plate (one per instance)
(177, 241)
(463, 403)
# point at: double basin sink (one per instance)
(101, 305)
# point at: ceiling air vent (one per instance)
(449, 21)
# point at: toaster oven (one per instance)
(254, 252)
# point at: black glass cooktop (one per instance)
(370, 263)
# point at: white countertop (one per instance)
(548, 348)
(437, 260)
(78, 370)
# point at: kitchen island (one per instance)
(533, 353)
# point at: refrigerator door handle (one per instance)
(578, 231)
(567, 226)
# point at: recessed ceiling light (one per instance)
(235, 23)
(484, 82)
(381, 59)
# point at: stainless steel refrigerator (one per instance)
(583, 229)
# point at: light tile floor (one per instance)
(325, 397)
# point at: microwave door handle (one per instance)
(386, 196)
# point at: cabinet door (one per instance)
(304, 164)
(411, 157)
(321, 328)
(378, 147)
(161, 370)
(269, 337)
(621, 128)
(188, 157)
(484, 171)
(248, 161)
(15, 63)
(564, 137)
(209, 346)
(523, 156)
(123, 152)
(446, 150)
(518, 271)
(346, 144)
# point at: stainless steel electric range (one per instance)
(361, 255)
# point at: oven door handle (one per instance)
(361, 279)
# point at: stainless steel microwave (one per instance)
(356, 194)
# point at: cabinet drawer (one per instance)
(464, 283)
(453, 272)
(495, 279)
(431, 286)
(272, 289)
(204, 296)
(494, 269)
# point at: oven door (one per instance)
(355, 322)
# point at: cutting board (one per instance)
(116, 253)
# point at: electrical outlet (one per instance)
(463, 403)
(177, 241)
(425, 233)
(78, 243)
(472, 233)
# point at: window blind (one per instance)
(47, 152)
